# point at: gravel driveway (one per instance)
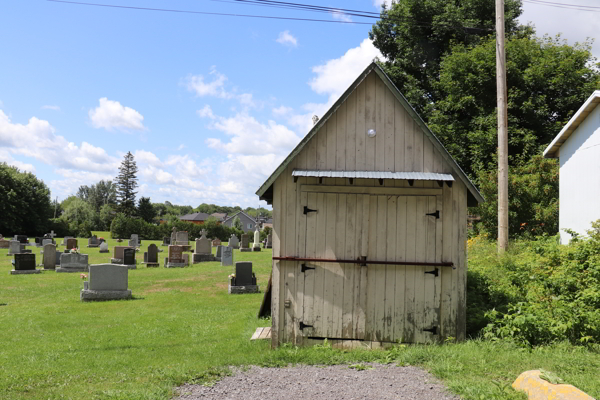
(381, 382)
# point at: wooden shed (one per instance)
(369, 227)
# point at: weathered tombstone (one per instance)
(269, 244)
(234, 242)
(15, 247)
(135, 239)
(151, 256)
(129, 258)
(244, 246)
(103, 247)
(244, 280)
(4, 244)
(182, 238)
(216, 242)
(73, 262)
(24, 264)
(93, 242)
(106, 282)
(226, 255)
(166, 241)
(49, 258)
(57, 259)
(256, 244)
(186, 259)
(175, 258)
(219, 250)
(47, 241)
(71, 243)
(203, 251)
(64, 243)
(118, 254)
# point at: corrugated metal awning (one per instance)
(417, 176)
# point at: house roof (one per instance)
(219, 216)
(237, 213)
(195, 217)
(418, 176)
(581, 114)
(473, 197)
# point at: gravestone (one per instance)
(135, 240)
(226, 256)
(118, 254)
(203, 251)
(57, 259)
(24, 264)
(182, 238)
(216, 242)
(269, 244)
(166, 241)
(106, 282)
(22, 239)
(129, 258)
(186, 259)
(234, 242)
(38, 241)
(244, 280)
(93, 242)
(64, 243)
(73, 262)
(103, 247)
(175, 257)
(47, 241)
(14, 248)
(256, 244)
(244, 246)
(151, 256)
(4, 244)
(49, 258)
(219, 250)
(71, 244)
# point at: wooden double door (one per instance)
(372, 302)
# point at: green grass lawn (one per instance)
(182, 326)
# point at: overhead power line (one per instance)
(567, 6)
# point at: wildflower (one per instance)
(83, 276)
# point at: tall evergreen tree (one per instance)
(126, 185)
(145, 209)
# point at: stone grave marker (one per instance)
(226, 256)
(186, 259)
(73, 262)
(38, 241)
(15, 247)
(166, 241)
(203, 250)
(106, 282)
(151, 256)
(182, 238)
(244, 280)
(244, 246)
(118, 254)
(57, 259)
(216, 242)
(234, 242)
(103, 247)
(256, 244)
(49, 257)
(64, 243)
(71, 243)
(135, 239)
(47, 241)
(219, 250)
(24, 264)
(129, 258)
(269, 244)
(22, 239)
(4, 244)
(175, 257)
(93, 242)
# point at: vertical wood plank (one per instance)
(399, 313)
(321, 138)
(421, 254)
(302, 198)
(321, 251)
(448, 326)
(360, 127)
(331, 141)
(331, 200)
(340, 150)
(276, 283)
(390, 132)
(418, 148)
(380, 126)
(427, 155)
(338, 269)
(430, 309)
(371, 272)
(409, 138)
(370, 121)
(455, 258)
(350, 294)
(351, 132)
(311, 153)
(380, 269)
(390, 270)
(409, 283)
(461, 324)
(360, 283)
(290, 250)
(309, 275)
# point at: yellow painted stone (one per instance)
(539, 389)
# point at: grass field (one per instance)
(182, 326)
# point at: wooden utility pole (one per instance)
(502, 130)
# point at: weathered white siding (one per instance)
(580, 177)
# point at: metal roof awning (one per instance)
(417, 176)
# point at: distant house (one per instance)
(577, 146)
(195, 218)
(248, 223)
(219, 216)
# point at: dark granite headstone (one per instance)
(57, 260)
(71, 244)
(166, 241)
(129, 256)
(22, 238)
(152, 255)
(24, 262)
(243, 274)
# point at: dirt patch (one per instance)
(364, 381)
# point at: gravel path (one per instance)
(382, 382)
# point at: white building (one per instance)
(577, 147)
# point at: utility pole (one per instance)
(502, 130)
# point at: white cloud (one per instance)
(341, 16)
(6, 157)
(181, 147)
(55, 108)
(282, 111)
(216, 88)
(378, 3)
(206, 112)
(147, 157)
(287, 39)
(111, 114)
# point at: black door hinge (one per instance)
(435, 272)
(303, 325)
(432, 330)
(435, 214)
(305, 268)
(308, 210)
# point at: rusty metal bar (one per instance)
(325, 260)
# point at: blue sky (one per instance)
(208, 105)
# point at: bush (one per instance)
(537, 293)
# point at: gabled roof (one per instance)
(473, 195)
(237, 213)
(581, 114)
(219, 216)
(195, 217)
